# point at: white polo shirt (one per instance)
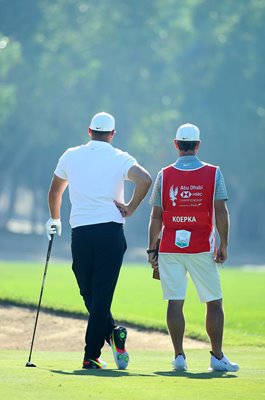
(95, 173)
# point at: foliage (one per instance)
(153, 65)
(9, 57)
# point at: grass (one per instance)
(58, 377)
(138, 298)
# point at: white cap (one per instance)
(188, 133)
(102, 122)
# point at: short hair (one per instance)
(100, 135)
(100, 132)
(184, 145)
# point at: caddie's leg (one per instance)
(176, 324)
(215, 325)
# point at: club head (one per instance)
(30, 364)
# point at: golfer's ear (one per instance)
(89, 132)
(176, 144)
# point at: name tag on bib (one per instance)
(182, 238)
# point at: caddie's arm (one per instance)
(222, 225)
(142, 181)
(155, 226)
(57, 187)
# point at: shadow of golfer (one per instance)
(111, 373)
(197, 375)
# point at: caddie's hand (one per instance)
(153, 259)
(221, 254)
(53, 226)
(125, 209)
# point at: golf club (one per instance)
(29, 363)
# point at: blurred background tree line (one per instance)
(153, 64)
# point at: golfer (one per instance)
(187, 197)
(95, 173)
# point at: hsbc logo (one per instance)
(185, 194)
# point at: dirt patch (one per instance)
(63, 333)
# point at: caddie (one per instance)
(188, 202)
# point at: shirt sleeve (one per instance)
(128, 162)
(61, 168)
(155, 199)
(220, 188)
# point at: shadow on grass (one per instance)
(196, 375)
(110, 373)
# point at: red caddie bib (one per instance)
(187, 210)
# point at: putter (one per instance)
(29, 363)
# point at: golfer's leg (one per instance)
(111, 324)
(215, 325)
(108, 260)
(83, 263)
(176, 324)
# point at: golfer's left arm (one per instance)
(55, 195)
(53, 225)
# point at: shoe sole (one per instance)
(179, 369)
(121, 359)
(211, 369)
(184, 368)
(95, 366)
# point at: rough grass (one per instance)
(138, 298)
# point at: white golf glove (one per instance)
(53, 226)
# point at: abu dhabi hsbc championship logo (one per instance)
(173, 193)
(185, 194)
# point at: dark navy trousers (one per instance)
(97, 252)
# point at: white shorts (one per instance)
(202, 269)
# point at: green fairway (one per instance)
(149, 376)
(138, 298)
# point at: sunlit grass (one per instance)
(149, 376)
(138, 298)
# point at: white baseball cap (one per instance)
(102, 122)
(188, 133)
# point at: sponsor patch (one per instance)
(182, 238)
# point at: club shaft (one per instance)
(41, 293)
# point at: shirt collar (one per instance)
(185, 159)
(98, 144)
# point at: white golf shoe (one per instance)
(179, 363)
(222, 365)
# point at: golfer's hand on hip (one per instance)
(53, 226)
(125, 209)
